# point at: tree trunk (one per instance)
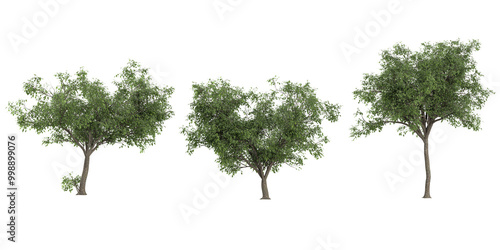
(427, 193)
(265, 192)
(83, 180)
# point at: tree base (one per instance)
(264, 198)
(427, 197)
(81, 193)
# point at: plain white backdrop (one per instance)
(342, 201)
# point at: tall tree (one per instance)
(82, 112)
(416, 89)
(260, 131)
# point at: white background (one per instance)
(342, 201)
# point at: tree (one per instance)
(260, 131)
(418, 89)
(82, 112)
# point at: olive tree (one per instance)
(259, 131)
(417, 89)
(82, 112)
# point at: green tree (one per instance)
(260, 131)
(82, 112)
(416, 89)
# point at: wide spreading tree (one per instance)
(259, 131)
(81, 111)
(417, 89)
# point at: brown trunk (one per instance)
(85, 172)
(265, 192)
(427, 193)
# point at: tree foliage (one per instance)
(81, 111)
(415, 89)
(261, 131)
(69, 182)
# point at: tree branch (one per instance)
(418, 132)
(74, 139)
(268, 170)
(97, 143)
(77, 187)
(260, 172)
(404, 123)
(442, 118)
(247, 162)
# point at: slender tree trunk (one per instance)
(427, 193)
(83, 180)
(265, 192)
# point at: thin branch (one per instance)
(77, 187)
(417, 131)
(386, 121)
(442, 118)
(248, 164)
(97, 143)
(74, 139)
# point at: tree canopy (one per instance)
(415, 89)
(81, 111)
